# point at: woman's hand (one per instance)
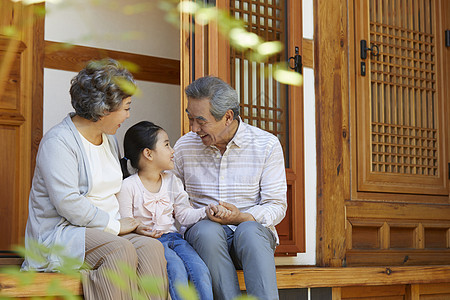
(147, 231)
(127, 225)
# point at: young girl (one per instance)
(157, 200)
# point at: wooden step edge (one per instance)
(287, 278)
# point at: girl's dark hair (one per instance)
(137, 138)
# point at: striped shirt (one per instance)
(250, 174)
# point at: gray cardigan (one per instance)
(59, 212)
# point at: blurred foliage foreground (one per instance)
(254, 47)
(37, 252)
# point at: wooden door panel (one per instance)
(400, 101)
(374, 292)
(9, 137)
(20, 84)
(11, 92)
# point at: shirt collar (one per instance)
(238, 138)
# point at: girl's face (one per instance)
(163, 152)
(111, 122)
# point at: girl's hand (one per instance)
(218, 211)
(127, 225)
(147, 231)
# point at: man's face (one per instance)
(203, 123)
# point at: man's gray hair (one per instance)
(221, 95)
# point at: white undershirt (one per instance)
(106, 181)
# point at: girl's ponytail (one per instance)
(124, 166)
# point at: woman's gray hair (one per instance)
(220, 94)
(95, 91)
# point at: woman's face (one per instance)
(111, 122)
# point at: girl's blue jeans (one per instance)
(183, 265)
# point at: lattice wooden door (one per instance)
(263, 100)
(400, 102)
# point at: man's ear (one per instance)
(147, 154)
(229, 117)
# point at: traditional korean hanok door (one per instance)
(265, 103)
(400, 184)
(21, 39)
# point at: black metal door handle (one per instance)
(297, 58)
(375, 51)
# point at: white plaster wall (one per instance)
(103, 24)
(309, 257)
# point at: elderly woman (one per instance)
(72, 200)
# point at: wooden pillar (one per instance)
(331, 86)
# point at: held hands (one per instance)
(147, 231)
(129, 224)
(227, 214)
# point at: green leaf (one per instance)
(126, 85)
(282, 75)
(188, 7)
(245, 297)
(9, 30)
(130, 66)
(116, 279)
(127, 271)
(187, 292)
(32, 253)
(23, 278)
(150, 284)
(270, 48)
(204, 15)
(244, 39)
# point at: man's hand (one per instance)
(232, 215)
(218, 211)
(127, 225)
(146, 230)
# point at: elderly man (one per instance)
(239, 169)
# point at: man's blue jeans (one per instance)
(184, 264)
(250, 248)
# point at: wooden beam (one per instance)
(10, 287)
(73, 58)
(407, 211)
(298, 277)
(287, 278)
(403, 257)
